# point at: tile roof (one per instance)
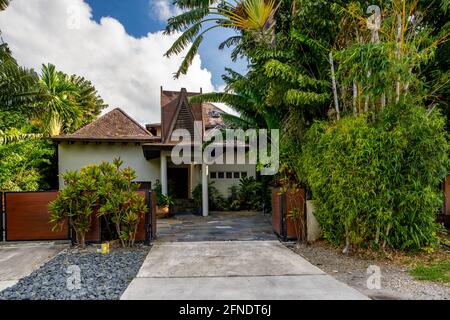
(114, 125)
(171, 101)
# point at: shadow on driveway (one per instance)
(218, 226)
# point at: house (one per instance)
(149, 149)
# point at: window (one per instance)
(213, 175)
(236, 175)
(229, 175)
(221, 175)
(243, 174)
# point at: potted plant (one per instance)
(164, 203)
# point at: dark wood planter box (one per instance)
(282, 205)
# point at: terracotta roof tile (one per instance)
(116, 124)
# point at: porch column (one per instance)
(163, 173)
(205, 201)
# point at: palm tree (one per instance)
(254, 16)
(16, 135)
(4, 4)
(243, 94)
(18, 86)
(87, 98)
(57, 98)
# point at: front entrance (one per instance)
(178, 182)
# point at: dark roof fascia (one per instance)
(105, 139)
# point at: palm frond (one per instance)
(4, 4)
(231, 41)
(184, 40)
(18, 86)
(16, 135)
(190, 4)
(186, 19)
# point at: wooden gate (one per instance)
(27, 217)
(282, 206)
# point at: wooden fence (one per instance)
(444, 217)
(283, 205)
(26, 218)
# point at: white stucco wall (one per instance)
(78, 155)
(224, 184)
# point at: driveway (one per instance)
(18, 260)
(225, 270)
(218, 226)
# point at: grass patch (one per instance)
(438, 271)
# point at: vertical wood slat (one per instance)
(2, 218)
(27, 218)
(281, 208)
(447, 196)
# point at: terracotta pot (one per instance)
(162, 212)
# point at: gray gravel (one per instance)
(103, 276)
(396, 283)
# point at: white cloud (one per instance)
(127, 71)
(163, 9)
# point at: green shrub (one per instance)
(377, 182)
(162, 200)
(104, 190)
(118, 200)
(27, 166)
(216, 200)
(76, 203)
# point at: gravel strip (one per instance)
(103, 276)
(396, 283)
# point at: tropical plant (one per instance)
(15, 135)
(103, 190)
(4, 4)
(246, 15)
(17, 85)
(118, 200)
(216, 200)
(378, 182)
(27, 166)
(76, 203)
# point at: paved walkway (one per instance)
(218, 226)
(18, 260)
(223, 270)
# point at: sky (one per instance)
(116, 44)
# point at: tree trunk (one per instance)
(333, 79)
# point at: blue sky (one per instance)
(139, 17)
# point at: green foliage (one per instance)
(29, 105)
(251, 194)
(438, 271)
(162, 200)
(216, 200)
(199, 17)
(118, 200)
(378, 182)
(76, 202)
(27, 166)
(70, 98)
(248, 195)
(103, 190)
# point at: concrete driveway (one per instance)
(18, 260)
(224, 270)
